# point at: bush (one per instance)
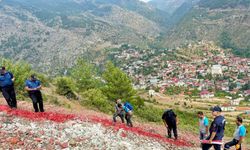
(96, 99)
(65, 87)
(137, 102)
(221, 94)
(149, 113)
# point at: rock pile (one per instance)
(21, 133)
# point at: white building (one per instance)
(228, 108)
(151, 93)
(236, 102)
(216, 70)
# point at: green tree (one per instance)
(65, 86)
(85, 76)
(226, 40)
(209, 76)
(246, 86)
(232, 86)
(117, 83)
(241, 75)
(95, 98)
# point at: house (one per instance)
(236, 102)
(151, 93)
(228, 107)
(216, 70)
(153, 81)
(206, 94)
(247, 92)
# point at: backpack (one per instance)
(129, 106)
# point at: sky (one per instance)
(145, 0)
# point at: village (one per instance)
(212, 71)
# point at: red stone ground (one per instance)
(59, 115)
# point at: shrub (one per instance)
(149, 113)
(96, 99)
(65, 87)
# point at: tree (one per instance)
(95, 98)
(117, 83)
(209, 76)
(65, 86)
(232, 86)
(85, 76)
(246, 86)
(241, 75)
(226, 40)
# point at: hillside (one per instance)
(52, 35)
(225, 22)
(60, 130)
(169, 6)
(176, 8)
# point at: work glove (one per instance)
(237, 146)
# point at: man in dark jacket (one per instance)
(216, 130)
(170, 121)
(118, 112)
(33, 86)
(7, 87)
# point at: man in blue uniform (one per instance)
(7, 87)
(33, 86)
(239, 134)
(216, 130)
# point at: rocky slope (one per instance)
(26, 130)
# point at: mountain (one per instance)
(169, 6)
(225, 21)
(51, 35)
(172, 6)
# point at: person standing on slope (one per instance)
(239, 134)
(203, 125)
(7, 87)
(128, 108)
(216, 130)
(118, 112)
(128, 114)
(33, 86)
(170, 121)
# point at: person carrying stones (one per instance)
(119, 112)
(128, 109)
(239, 135)
(128, 114)
(170, 121)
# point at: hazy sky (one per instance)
(145, 0)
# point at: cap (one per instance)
(216, 108)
